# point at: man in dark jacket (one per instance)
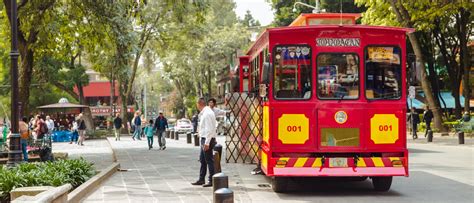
(414, 119)
(161, 124)
(117, 126)
(195, 121)
(427, 118)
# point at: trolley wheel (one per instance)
(382, 183)
(279, 184)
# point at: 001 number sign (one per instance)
(293, 128)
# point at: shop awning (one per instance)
(62, 106)
(447, 97)
(98, 89)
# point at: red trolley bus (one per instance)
(335, 99)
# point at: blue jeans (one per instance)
(138, 132)
(207, 160)
(161, 139)
(150, 141)
(74, 136)
(24, 143)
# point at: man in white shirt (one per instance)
(49, 124)
(207, 131)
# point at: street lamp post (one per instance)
(144, 101)
(14, 153)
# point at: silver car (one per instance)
(183, 126)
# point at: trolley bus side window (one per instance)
(292, 72)
(383, 72)
(338, 76)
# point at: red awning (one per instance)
(98, 89)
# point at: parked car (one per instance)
(183, 126)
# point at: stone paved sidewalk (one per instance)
(164, 175)
(97, 151)
(450, 140)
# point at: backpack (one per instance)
(43, 128)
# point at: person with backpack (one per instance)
(81, 129)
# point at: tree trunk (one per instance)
(112, 92)
(124, 104)
(463, 34)
(404, 18)
(209, 81)
(82, 99)
(425, 84)
(25, 76)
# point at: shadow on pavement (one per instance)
(420, 187)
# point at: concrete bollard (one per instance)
(461, 137)
(217, 158)
(176, 135)
(172, 134)
(223, 195)
(189, 138)
(196, 140)
(219, 180)
(430, 136)
(167, 134)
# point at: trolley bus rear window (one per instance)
(338, 76)
(383, 72)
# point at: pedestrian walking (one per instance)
(414, 119)
(41, 128)
(49, 124)
(161, 124)
(148, 131)
(81, 129)
(74, 132)
(207, 131)
(466, 117)
(142, 118)
(117, 126)
(195, 121)
(24, 136)
(427, 118)
(137, 126)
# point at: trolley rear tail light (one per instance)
(397, 162)
(281, 163)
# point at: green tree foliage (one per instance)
(249, 21)
(284, 13)
(444, 24)
(33, 34)
(197, 50)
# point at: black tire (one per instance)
(382, 184)
(279, 184)
(360, 178)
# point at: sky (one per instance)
(260, 10)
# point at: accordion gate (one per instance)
(244, 135)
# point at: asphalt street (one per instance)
(438, 173)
